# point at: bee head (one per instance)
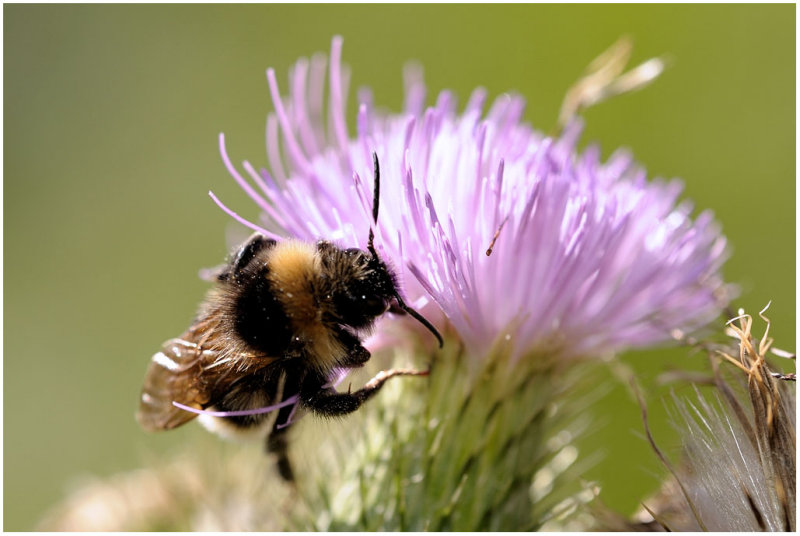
(369, 295)
(365, 292)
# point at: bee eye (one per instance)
(359, 310)
(373, 305)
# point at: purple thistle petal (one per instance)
(301, 109)
(273, 150)
(337, 103)
(243, 221)
(289, 419)
(336, 378)
(590, 253)
(266, 207)
(238, 178)
(297, 156)
(240, 413)
(316, 96)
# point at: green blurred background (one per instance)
(111, 118)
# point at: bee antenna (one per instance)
(371, 247)
(375, 204)
(422, 320)
(377, 193)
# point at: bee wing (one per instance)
(175, 374)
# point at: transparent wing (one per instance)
(174, 374)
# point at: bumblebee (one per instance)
(281, 321)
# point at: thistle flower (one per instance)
(587, 257)
(531, 253)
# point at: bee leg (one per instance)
(357, 355)
(330, 403)
(278, 440)
(278, 444)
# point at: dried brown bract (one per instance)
(738, 468)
